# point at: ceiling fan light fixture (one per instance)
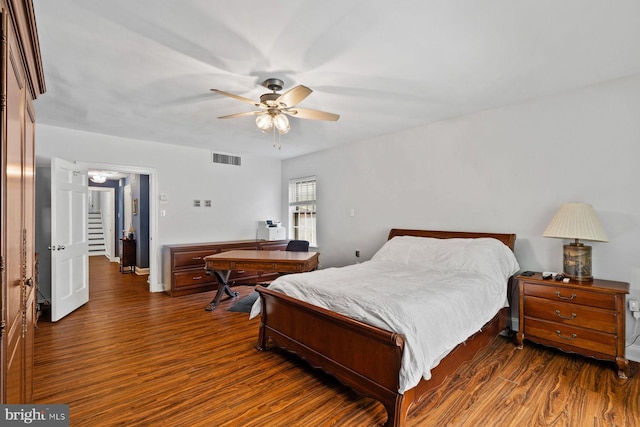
(275, 107)
(264, 122)
(281, 123)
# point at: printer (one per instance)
(271, 230)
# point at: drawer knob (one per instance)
(561, 297)
(197, 278)
(573, 315)
(564, 337)
(195, 258)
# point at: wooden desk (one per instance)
(221, 265)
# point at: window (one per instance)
(302, 209)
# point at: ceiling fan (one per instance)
(274, 107)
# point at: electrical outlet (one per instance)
(634, 305)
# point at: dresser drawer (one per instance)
(565, 335)
(572, 295)
(193, 277)
(191, 258)
(570, 314)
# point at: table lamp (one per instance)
(576, 221)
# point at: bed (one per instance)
(363, 353)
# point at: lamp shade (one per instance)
(576, 221)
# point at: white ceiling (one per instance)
(143, 69)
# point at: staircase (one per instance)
(95, 234)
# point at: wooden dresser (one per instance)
(184, 266)
(584, 318)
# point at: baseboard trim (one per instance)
(142, 271)
(633, 353)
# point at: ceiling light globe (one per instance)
(264, 122)
(282, 123)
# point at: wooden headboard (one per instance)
(507, 239)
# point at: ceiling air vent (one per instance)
(226, 159)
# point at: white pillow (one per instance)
(484, 255)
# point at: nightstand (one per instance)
(127, 255)
(583, 318)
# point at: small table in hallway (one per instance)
(221, 265)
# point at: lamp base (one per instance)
(577, 262)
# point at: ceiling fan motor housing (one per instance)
(273, 84)
(269, 97)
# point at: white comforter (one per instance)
(435, 308)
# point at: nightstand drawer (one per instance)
(571, 295)
(565, 335)
(571, 314)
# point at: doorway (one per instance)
(133, 212)
(102, 201)
(43, 208)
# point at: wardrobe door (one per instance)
(15, 226)
(21, 81)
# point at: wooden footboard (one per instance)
(363, 357)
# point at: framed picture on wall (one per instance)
(135, 206)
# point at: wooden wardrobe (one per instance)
(22, 81)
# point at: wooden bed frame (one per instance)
(364, 357)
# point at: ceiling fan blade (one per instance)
(293, 96)
(305, 113)
(248, 113)
(238, 97)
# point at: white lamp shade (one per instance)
(576, 221)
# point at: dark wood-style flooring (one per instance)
(131, 358)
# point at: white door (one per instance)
(69, 245)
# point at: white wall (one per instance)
(503, 170)
(241, 196)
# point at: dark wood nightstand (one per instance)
(584, 318)
(127, 255)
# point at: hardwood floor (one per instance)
(133, 358)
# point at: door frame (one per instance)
(154, 257)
